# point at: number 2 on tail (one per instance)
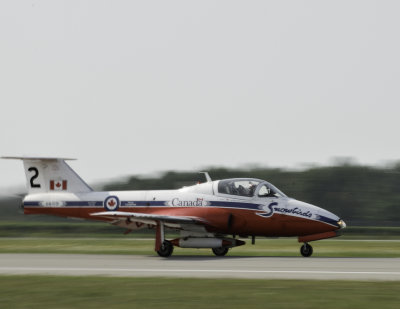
(35, 170)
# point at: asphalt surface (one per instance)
(202, 267)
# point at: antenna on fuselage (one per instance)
(207, 176)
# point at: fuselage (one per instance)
(226, 206)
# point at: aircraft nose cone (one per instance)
(342, 224)
(316, 213)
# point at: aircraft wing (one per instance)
(149, 218)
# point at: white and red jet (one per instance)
(205, 214)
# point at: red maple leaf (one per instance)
(58, 184)
(111, 203)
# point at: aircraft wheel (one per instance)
(306, 250)
(166, 249)
(221, 251)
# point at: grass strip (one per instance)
(263, 247)
(109, 292)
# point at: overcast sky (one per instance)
(133, 87)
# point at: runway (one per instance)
(202, 267)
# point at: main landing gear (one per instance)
(163, 247)
(221, 251)
(166, 249)
(306, 250)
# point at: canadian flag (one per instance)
(58, 185)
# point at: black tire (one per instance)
(221, 251)
(306, 250)
(166, 249)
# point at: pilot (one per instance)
(251, 189)
(242, 190)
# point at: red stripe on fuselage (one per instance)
(220, 220)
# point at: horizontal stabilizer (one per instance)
(38, 158)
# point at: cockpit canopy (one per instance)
(248, 188)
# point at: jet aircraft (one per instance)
(207, 215)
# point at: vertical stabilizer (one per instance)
(51, 175)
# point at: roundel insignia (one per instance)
(111, 203)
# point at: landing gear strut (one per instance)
(221, 251)
(163, 247)
(306, 250)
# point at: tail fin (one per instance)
(51, 175)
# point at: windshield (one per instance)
(241, 187)
(268, 190)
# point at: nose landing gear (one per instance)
(306, 250)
